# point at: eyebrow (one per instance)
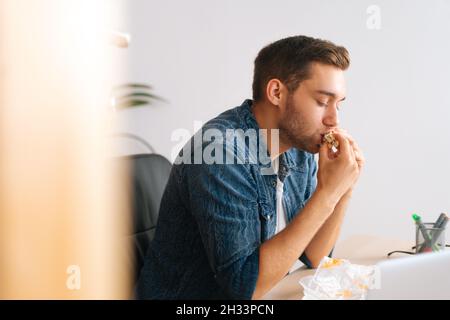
(328, 93)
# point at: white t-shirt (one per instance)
(281, 213)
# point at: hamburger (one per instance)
(331, 141)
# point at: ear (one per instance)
(274, 91)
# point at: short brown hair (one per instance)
(289, 60)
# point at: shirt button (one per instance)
(274, 183)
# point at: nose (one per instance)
(331, 118)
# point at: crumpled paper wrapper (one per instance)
(338, 279)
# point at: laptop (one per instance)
(420, 277)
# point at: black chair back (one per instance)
(149, 174)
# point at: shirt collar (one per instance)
(287, 159)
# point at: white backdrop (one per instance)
(199, 56)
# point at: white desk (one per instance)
(365, 250)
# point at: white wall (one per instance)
(199, 55)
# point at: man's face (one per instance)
(312, 109)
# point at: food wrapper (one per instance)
(338, 279)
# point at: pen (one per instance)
(439, 221)
(440, 224)
(426, 237)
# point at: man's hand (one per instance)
(338, 172)
(359, 157)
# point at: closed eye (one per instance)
(323, 104)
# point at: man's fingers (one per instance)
(360, 159)
(344, 144)
(356, 150)
(358, 153)
(347, 145)
(352, 151)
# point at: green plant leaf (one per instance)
(132, 103)
(133, 95)
(139, 94)
(132, 85)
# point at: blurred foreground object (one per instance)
(62, 207)
(119, 39)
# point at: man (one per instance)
(233, 230)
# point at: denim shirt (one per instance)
(214, 217)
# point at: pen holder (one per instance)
(433, 241)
